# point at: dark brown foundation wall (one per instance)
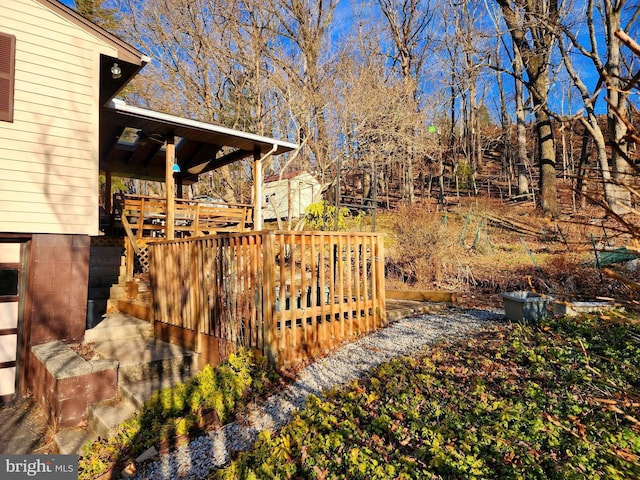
(56, 300)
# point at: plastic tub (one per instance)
(524, 307)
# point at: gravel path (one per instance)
(406, 337)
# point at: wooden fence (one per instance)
(289, 295)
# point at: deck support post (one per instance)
(170, 155)
(108, 207)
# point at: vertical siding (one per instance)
(49, 154)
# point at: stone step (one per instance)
(137, 393)
(71, 440)
(116, 292)
(143, 359)
(118, 326)
(102, 419)
(112, 305)
(165, 372)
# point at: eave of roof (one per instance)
(200, 148)
(162, 123)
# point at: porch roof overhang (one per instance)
(200, 147)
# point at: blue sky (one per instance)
(344, 16)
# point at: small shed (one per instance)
(289, 194)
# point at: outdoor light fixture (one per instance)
(144, 138)
(116, 71)
(176, 168)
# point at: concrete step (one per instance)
(112, 305)
(118, 327)
(102, 419)
(142, 359)
(71, 440)
(137, 393)
(145, 365)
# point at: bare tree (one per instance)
(521, 126)
(615, 173)
(302, 63)
(617, 97)
(467, 43)
(377, 119)
(98, 13)
(532, 26)
(407, 23)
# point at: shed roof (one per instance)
(290, 175)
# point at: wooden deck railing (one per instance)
(146, 216)
(290, 295)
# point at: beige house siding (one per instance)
(48, 155)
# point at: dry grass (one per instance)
(463, 250)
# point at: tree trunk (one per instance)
(547, 156)
(581, 183)
(532, 26)
(621, 170)
(408, 193)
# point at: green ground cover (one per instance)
(214, 397)
(560, 400)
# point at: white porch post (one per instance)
(258, 160)
(257, 190)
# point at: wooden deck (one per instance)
(144, 220)
(288, 295)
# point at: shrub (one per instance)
(322, 216)
(424, 248)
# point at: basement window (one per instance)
(8, 282)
